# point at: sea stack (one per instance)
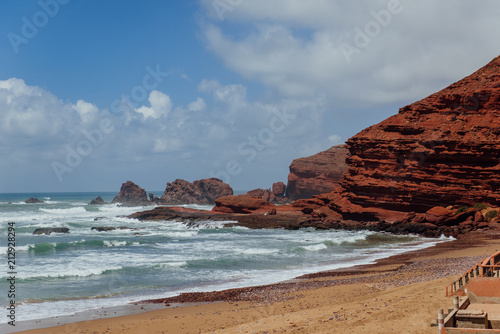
(131, 195)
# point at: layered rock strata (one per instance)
(317, 174)
(441, 151)
(242, 204)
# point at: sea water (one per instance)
(61, 274)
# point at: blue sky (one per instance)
(95, 93)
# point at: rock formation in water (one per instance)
(317, 174)
(131, 195)
(97, 201)
(49, 230)
(32, 200)
(204, 191)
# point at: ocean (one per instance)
(62, 274)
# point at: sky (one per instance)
(95, 93)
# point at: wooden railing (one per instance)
(489, 267)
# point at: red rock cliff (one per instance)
(443, 150)
(317, 174)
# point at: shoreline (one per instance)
(376, 275)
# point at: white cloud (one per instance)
(335, 139)
(162, 145)
(86, 110)
(161, 105)
(37, 129)
(294, 46)
(198, 105)
(27, 111)
(234, 93)
(208, 86)
(313, 13)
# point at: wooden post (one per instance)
(456, 302)
(440, 319)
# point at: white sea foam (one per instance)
(175, 264)
(3, 250)
(196, 206)
(258, 251)
(70, 211)
(207, 225)
(314, 248)
(55, 272)
(114, 243)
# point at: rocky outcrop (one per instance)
(242, 204)
(49, 230)
(441, 151)
(204, 191)
(97, 201)
(317, 174)
(274, 195)
(258, 215)
(131, 195)
(32, 200)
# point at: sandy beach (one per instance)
(400, 294)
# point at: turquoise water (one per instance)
(62, 274)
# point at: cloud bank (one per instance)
(359, 53)
(70, 141)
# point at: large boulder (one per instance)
(279, 189)
(317, 174)
(204, 191)
(131, 195)
(438, 214)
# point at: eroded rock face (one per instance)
(242, 204)
(274, 195)
(441, 151)
(131, 195)
(204, 191)
(317, 174)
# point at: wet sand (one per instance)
(399, 294)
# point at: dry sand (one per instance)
(398, 295)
